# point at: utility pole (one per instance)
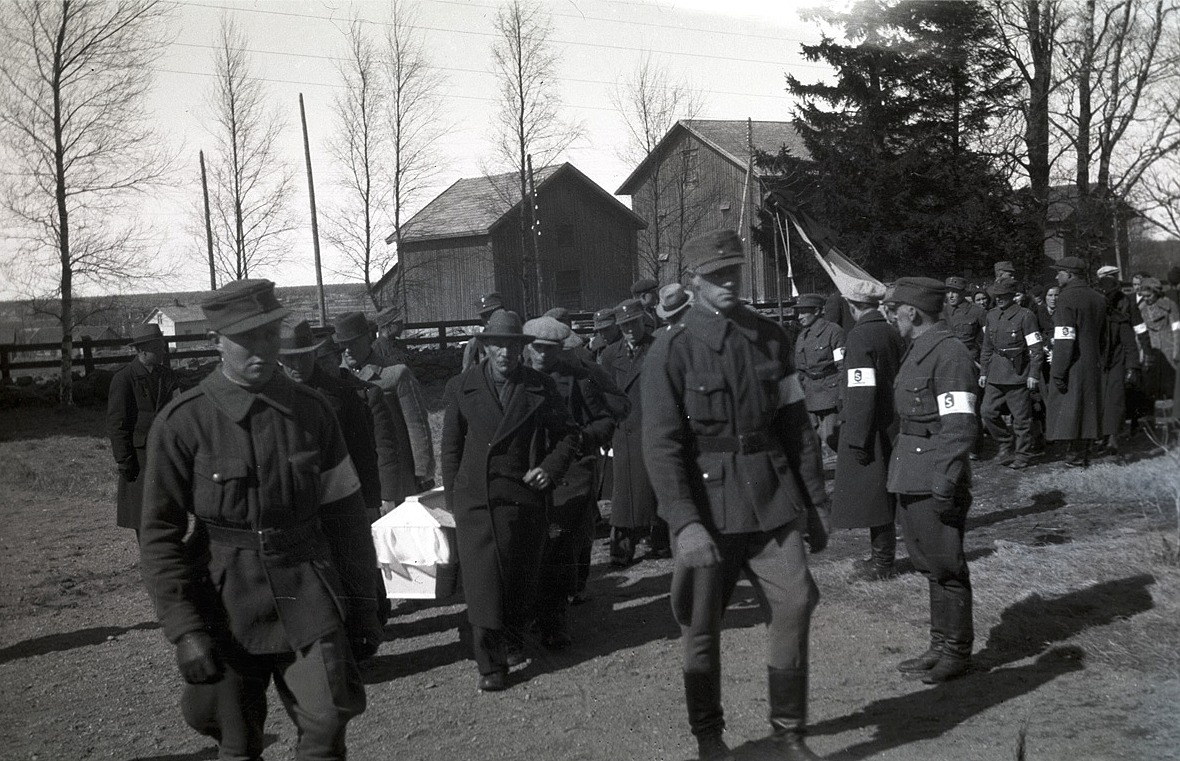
(315, 228)
(535, 225)
(208, 224)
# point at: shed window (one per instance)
(689, 167)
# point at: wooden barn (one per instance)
(467, 242)
(697, 179)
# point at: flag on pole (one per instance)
(843, 271)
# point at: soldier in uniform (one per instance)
(1010, 367)
(606, 332)
(633, 503)
(139, 390)
(739, 478)
(964, 319)
(868, 427)
(507, 440)
(399, 384)
(574, 501)
(387, 348)
(934, 395)
(1075, 372)
(276, 579)
(819, 357)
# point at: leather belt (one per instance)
(743, 443)
(269, 540)
(828, 372)
(914, 428)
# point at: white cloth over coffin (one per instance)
(412, 534)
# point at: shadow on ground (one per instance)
(54, 643)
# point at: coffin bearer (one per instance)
(934, 395)
(819, 356)
(737, 471)
(507, 440)
(139, 390)
(1010, 367)
(868, 427)
(1075, 373)
(675, 300)
(276, 579)
(646, 291)
(964, 319)
(387, 348)
(485, 306)
(633, 503)
(353, 336)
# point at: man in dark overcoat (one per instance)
(1121, 369)
(387, 347)
(139, 390)
(275, 580)
(1010, 369)
(1075, 373)
(633, 503)
(819, 356)
(606, 332)
(738, 474)
(574, 501)
(868, 427)
(935, 398)
(507, 440)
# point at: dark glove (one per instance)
(425, 484)
(818, 527)
(942, 505)
(365, 633)
(1061, 385)
(129, 471)
(1134, 377)
(197, 659)
(695, 547)
(862, 456)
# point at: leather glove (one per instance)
(983, 381)
(943, 505)
(1134, 377)
(129, 471)
(695, 547)
(425, 484)
(1061, 385)
(365, 632)
(818, 527)
(862, 456)
(197, 659)
(387, 507)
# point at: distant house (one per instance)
(697, 179)
(178, 320)
(467, 242)
(1061, 224)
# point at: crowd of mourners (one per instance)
(703, 424)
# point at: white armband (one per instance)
(790, 389)
(838, 353)
(862, 377)
(1065, 333)
(1176, 326)
(1141, 328)
(1033, 338)
(956, 402)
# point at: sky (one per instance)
(734, 53)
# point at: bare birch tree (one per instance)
(413, 113)
(528, 121)
(77, 146)
(651, 102)
(250, 185)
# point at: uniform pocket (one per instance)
(219, 488)
(704, 397)
(919, 399)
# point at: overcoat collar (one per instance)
(712, 327)
(870, 316)
(528, 395)
(235, 401)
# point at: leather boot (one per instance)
(928, 659)
(711, 747)
(788, 713)
(702, 694)
(1006, 453)
(954, 620)
(923, 663)
(947, 668)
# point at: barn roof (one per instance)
(178, 313)
(475, 205)
(725, 136)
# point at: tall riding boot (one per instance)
(788, 713)
(883, 544)
(927, 660)
(955, 622)
(1007, 452)
(702, 693)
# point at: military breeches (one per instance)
(775, 562)
(1018, 400)
(825, 423)
(935, 545)
(319, 686)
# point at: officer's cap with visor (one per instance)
(242, 306)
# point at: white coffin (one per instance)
(415, 544)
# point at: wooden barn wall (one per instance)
(584, 232)
(446, 276)
(506, 244)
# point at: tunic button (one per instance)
(216, 478)
(918, 449)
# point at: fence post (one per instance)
(442, 337)
(87, 355)
(5, 372)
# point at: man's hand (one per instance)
(424, 484)
(387, 507)
(1134, 377)
(942, 505)
(365, 632)
(862, 456)
(197, 659)
(1061, 385)
(1031, 383)
(129, 471)
(983, 381)
(818, 527)
(538, 479)
(695, 547)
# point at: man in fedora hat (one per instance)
(275, 580)
(737, 471)
(139, 390)
(633, 503)
(675, 300)
(868, 428)
(355, 338)
(485, 306)
(606, 332)
(386, 348)
(507, 441)
(1009, 370)
(1075, 372)
(574, 502)
(646, 291)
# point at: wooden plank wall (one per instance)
(445, 278)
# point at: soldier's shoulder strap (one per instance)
(182, 399)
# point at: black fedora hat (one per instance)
(142, 334)
(505, 325)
